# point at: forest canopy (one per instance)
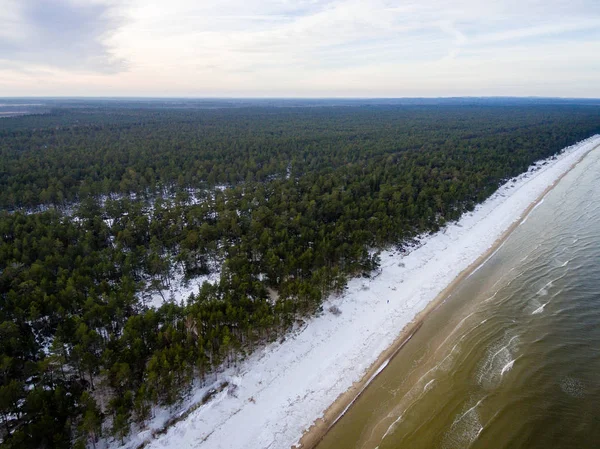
(104, 204)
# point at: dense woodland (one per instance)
(103, 205)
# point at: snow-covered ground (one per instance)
(277, 393)
(180, 290)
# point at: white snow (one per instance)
(180, 289)
(283, 388)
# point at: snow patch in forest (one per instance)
(281, 389)
(179, 290)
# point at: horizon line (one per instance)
(209, 97)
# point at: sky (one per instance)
(300, 48)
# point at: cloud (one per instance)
(240, 36)
(301, 47)
(548, 29)
(64, 34)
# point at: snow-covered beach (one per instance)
(279, 392)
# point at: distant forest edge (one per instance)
(70, 154)
(287, 203)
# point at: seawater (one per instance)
(512, 358)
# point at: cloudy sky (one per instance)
(300, 48)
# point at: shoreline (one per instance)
(336, 411)
(293, 390)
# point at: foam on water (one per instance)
(530, 253)
(456, 328)
(491, 297)
(428, 385)
(544, 290)
(573, 387)
(392, 427)
(497, 361)
(507, 367)
(540, 309)
(443, 365)
(465, 429)
(375, 374)
(486, 260)
(530, 212)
